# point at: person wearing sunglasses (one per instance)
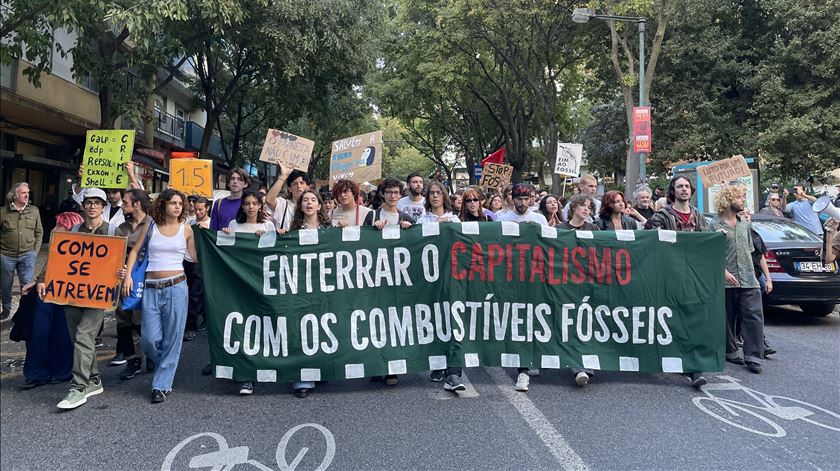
(471, 209)
(775, 206)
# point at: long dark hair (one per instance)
(241, 217)
(297, 218)
(544, 210)
(159, 206)
(447, 205)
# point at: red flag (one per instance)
(497, 157)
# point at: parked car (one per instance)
(796, 266)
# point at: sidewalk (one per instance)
(39, 265)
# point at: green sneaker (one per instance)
(94, 388)
(74, 399)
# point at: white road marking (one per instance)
(441, 394)
(557, 445)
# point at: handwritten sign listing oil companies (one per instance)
(723, 171)
(357, 158)
(568, 159)
(192, 176)
(287, 149)
(106, 153)
(82, 269)
(641, 129)
(495, 176)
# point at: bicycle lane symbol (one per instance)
(226, 458)
(762, 407)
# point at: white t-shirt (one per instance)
(429, 217)
(266, 226)
(349, 217)
(284, 210)
(389, 218)
(529, 216)
(413, 209)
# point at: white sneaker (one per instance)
(581, 379)
(522, 382)
(246, 389)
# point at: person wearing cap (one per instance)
(775, 189)
(521, 194)
(83, 323)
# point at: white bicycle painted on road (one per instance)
(752, 416)
(226, 458)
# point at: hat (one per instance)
(94, 193)
(774, 185)
(520, 189)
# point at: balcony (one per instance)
(128, 123)
(194, 134)
(169, 128)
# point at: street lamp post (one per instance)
(582, 15)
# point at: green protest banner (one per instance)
(106, 153)
(355, 302)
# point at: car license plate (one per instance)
(815, 267)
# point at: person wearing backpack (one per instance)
(83, 323)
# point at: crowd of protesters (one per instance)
(172, 308)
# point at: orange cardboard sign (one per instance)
(82, 269)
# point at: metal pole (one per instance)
(642, 98)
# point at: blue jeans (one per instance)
(162, 327)
(49, 352)
(24, 265)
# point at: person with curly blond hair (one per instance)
(743, 293)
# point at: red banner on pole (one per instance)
(641, 129)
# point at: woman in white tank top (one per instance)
(165, 293)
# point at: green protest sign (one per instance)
(356, 302)
(106, 153)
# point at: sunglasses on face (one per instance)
(471, 200)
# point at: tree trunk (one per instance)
(212, 117)
(106, 121)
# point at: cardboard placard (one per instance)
(82, 269)
(568, 161)
(724, 171)
(496, 176)
(285, 148)
(194, 177)
(357, 158)
(106, 153)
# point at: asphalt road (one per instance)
(621, 421)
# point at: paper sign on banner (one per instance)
(82, 269)
(357, 158)
(569, 157)
(641, 129)
(724, 171)
(496, 176)
(287, 149)
(192, 176)
(106, 153)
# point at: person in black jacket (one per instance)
(390, 190)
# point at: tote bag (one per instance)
(138, 275)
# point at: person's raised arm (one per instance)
(274, 191)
